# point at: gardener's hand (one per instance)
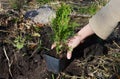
(72, 43)
(78, 38)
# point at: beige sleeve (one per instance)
(104, 21)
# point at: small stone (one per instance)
(43, 15)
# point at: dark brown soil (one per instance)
(28, 64)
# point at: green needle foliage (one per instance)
(62, 27)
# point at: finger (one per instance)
(53, 45)
(69, 54)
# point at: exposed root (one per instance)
(9, 62)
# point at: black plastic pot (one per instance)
(56, 65)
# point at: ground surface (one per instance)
(94, 59)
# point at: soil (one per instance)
(94, 59)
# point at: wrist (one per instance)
(85, 32)
(79, 36)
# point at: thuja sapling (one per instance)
(62, 29)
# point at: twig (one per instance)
(74, 3)
(9, 63)
(35, 51)
(116, 44)
(80, 15)
(58, 76)
(72, 77)
(4, 31)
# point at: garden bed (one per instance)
(23, 45)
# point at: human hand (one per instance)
(72, 43)
(78, 38)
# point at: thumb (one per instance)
(69, 54)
